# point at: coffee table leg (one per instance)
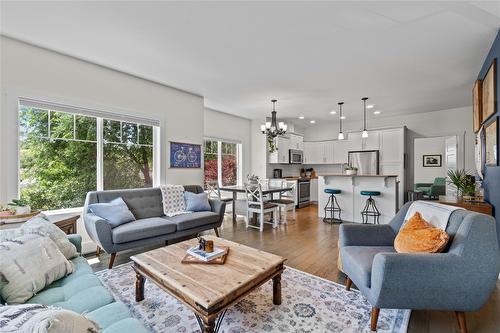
(139, 287)
(206, 327)
(277, 290)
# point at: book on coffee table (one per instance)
(206, 256)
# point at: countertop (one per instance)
(344, 175)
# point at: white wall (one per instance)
(220, 125)
(429, 146)
(258, 150)
(427, 124)
(38, 73)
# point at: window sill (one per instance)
(55, 212)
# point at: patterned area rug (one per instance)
(309, 304)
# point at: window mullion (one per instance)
(100, 147)
(219, 163)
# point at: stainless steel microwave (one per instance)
(295, 156)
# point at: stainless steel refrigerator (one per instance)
(366, 161)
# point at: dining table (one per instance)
(266, 189)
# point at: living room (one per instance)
(300, 139)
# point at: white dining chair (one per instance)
(286, 201)
(257, 204)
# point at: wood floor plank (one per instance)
(310, 245)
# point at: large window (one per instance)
(63, 155)
(222, 162)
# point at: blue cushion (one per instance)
(332, 191)
(116, 212)
(197, 202)
(372, 193)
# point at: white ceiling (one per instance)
(407, 56)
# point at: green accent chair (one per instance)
(432, 190)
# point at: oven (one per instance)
(295, 156)
(303, 192)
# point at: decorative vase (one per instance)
(351, 172)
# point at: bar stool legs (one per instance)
(370, 210)
(332, 207)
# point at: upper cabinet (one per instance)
(392, 145)
(281, 154)
(296, 142)
(357, 142)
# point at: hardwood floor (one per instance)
(311, 246)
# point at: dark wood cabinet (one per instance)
(65, 222)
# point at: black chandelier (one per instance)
(271, 128)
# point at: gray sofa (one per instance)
(460, 279)
(151, 226)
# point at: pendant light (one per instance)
(341, 134)
(365, 132)
(272, 128)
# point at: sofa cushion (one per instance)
(357, 261)
(418, 235)
(43, 319)
(142, 202)
(116, 212)
(197, 202)
(28, 264)
(143, 228)
(193, 220)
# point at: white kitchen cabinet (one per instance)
(392, 146)
(372, 142)
(341, 148)
(327, 152)
(311, 153)
(296, 142)
(281, 154)
(355, 141)
(314, 190)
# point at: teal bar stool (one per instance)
(332, 206)
(370, 209)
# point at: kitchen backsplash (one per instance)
(293, 170)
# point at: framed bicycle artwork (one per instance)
(185, 155)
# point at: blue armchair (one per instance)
(459, 279)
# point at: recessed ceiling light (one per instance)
(343, 117)
(301, 117)
(313, 121)
(370, 106)
(377, 112)
(333, 112)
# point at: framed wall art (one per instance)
(479, 152)
(477, 105)
(185, 155)
(432, 161)
(488, 95)
(491, 142)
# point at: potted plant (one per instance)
(271, 144)
(464, 182)
(253, 179)
(20, 206)
(351, 170)
(5, 211)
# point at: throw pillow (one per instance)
(197, 202)
(30, 263)
(173, 200)
(41, 224)
(418, 235)
(116, 212)
(36, 318)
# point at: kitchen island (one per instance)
(352, 202)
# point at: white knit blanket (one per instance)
(435, 213)
(173, 200)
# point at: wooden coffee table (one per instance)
(208, 290)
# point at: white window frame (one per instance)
(100, 116)
(239, 156)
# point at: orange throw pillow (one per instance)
(418, 235)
